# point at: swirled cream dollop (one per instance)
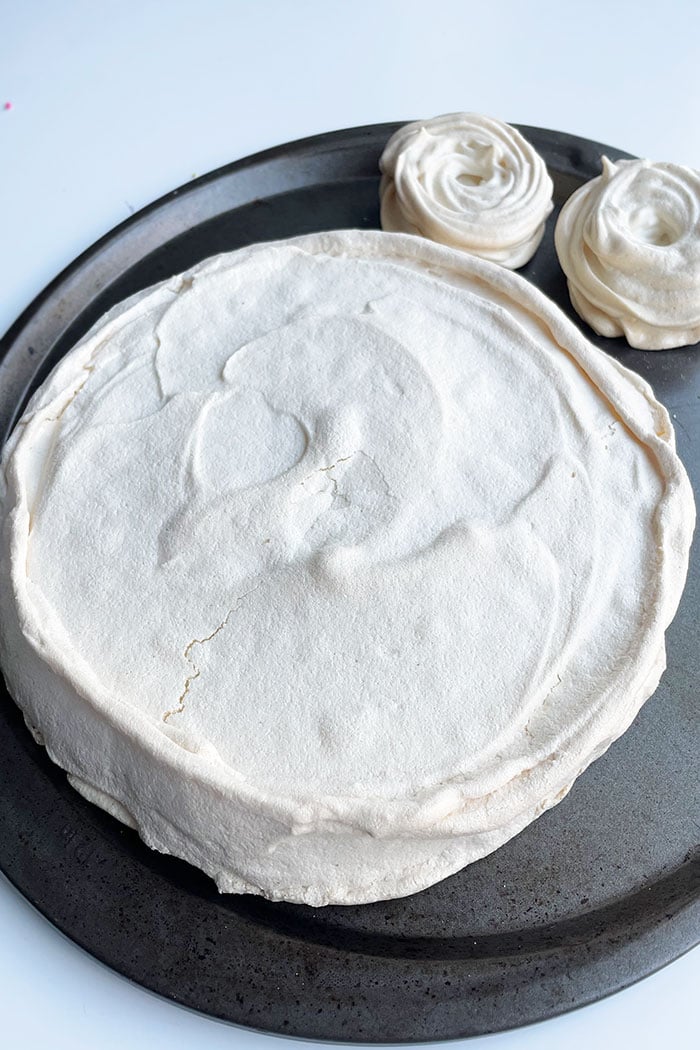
(330, 564)
(629, 244)
(468, 181)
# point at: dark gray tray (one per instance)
(597, 893)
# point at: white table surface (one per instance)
(114, 103)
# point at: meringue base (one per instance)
(270, 724)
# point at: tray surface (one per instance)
(597, 893)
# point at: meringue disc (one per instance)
(469, 181)
(372, 553)
(629, 244)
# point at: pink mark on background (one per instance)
(8, 105)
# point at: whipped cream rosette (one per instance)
(468, 181)
(330, 564)
(629, 244)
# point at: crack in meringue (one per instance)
(196, 671)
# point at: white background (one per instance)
(115, 103)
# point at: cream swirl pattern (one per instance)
(629, 244)
(467, 181)
(297, 583)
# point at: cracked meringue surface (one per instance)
(629, 244)
(330, 564)
(468, 181)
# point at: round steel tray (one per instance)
(597, 893)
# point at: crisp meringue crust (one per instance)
(331, 563)
(468, 181)
(629, 244)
